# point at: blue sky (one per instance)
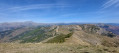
(59, 11)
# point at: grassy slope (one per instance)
(54, 48)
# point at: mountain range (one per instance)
(78, 33)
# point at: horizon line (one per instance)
(54, 22)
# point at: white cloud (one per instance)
(110, 3)
(117, 5)
(35, 6)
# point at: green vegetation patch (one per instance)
(34, 36)
(60, 38)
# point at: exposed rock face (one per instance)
(114, 29)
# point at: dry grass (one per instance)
(53, 48)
